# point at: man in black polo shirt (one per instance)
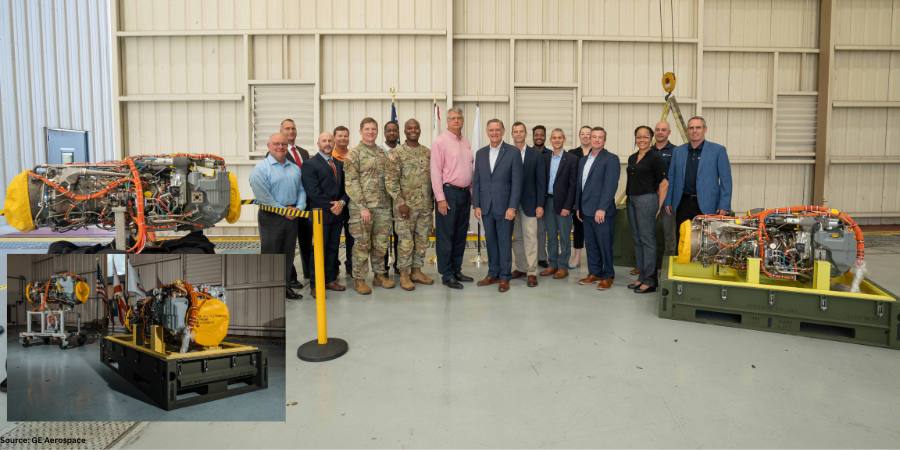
(665, 225)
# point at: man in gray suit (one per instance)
(496, 192)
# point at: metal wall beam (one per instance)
(823, 108)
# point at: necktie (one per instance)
(296, 156)
(333, 169)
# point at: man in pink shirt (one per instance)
(452, 164)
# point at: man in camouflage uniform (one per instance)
(370, 208)
(408, 182)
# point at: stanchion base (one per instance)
(312, 351)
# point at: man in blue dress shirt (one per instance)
(276, 182)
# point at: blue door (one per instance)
(66, 146)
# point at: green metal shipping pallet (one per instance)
(723, 296)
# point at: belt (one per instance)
(549, 195)
(456, 187)
(689, 195)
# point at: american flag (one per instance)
(103, 296)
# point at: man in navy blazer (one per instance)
(561, 168)
(496, 193)
(531, 207)
(595, 199)
(699, 177)
(323, 181)
(298, 155)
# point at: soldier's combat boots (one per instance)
(419, 277)
(405, 282)
(361, 286)
(383, 281)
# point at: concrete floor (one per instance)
(563, 365)
(50, 384)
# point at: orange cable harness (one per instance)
(143, 231)
(807, 210)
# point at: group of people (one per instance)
(530, 199)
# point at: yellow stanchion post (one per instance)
(322, 348)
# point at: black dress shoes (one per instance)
(292, 295)
(453, 284)
(464, 278)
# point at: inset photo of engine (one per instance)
(145, 337)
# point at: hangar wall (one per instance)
(217, 75)
(56, 73)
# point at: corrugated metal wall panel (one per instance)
(797, 72)
(627, 69)
(280, 57)
(864, 133)
(869, 22)
(761, 23)
(737, 77)
(182, 65)
(203, 269)
(862, 188)
(481, 67)
(571, 17)
(56, 74)
(546, 61)
(758, 186)
(866, 76)
(745, 132)
(375, 64)
(181, 15)
(185, 127)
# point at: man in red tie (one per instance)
(298, 156)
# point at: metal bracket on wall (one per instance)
(723, 292)
(771, 298)
(679, 288)
(823, 303)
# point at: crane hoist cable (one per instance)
(668, 78)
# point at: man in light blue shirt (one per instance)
(276, 182)
(559, 205)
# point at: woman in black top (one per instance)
(646, 190)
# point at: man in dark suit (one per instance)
(496, 191)
(531, 207)
(562, 169)
(298, 155)
(699, 177)
(323, 180)
(595, 198)
(538, 139)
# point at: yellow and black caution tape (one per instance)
(287, 212)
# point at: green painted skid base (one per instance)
(830, 316)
